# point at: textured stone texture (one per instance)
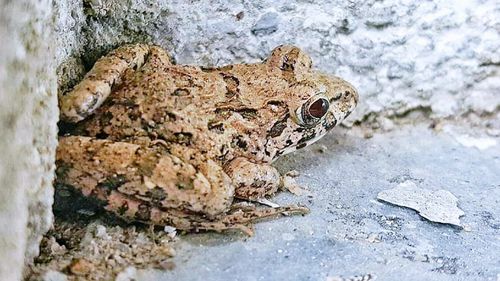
(438, 56)
(28, 116)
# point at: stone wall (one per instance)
(28, 116)
(438, 56)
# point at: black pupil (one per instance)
(318, 108)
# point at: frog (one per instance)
(192, 147)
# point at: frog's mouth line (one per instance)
(318, 134)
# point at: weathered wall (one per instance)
(438, 55)
(28, 116)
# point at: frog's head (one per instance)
(316, 102)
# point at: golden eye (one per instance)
(318, 108)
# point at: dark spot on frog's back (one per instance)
(232, 84)
(247, 113)
(182, 138)
(102, 135)
(278, 103)
(211, 69)
(215, 126)
(240, 142)
(181, 92)
(287, 66)
(289, 60)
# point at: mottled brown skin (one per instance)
(173, 144)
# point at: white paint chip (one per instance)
(437, 206)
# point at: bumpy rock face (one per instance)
(401, 55)
(28, 117)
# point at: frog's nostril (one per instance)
(319, 108)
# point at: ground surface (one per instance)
(349, 232)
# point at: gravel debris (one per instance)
(73, 251)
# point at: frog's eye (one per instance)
(311, 112)
(318, 108)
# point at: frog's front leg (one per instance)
(106, 73)
(252, 181)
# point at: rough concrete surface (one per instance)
(437, 56)
(28, 116)
(349, 232)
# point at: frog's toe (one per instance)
(243, 217)
(239, 217)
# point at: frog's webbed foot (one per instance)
(243, 217)
(252, 181)
(240, 217)
(106, 73)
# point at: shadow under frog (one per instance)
(169, 144)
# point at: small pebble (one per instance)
(53, 275)
(80, 267)
(170, 230)
(100, 232)
(368, 135)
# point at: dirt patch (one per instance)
(98, 252)
(89, 244)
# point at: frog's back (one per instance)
(148, 98)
